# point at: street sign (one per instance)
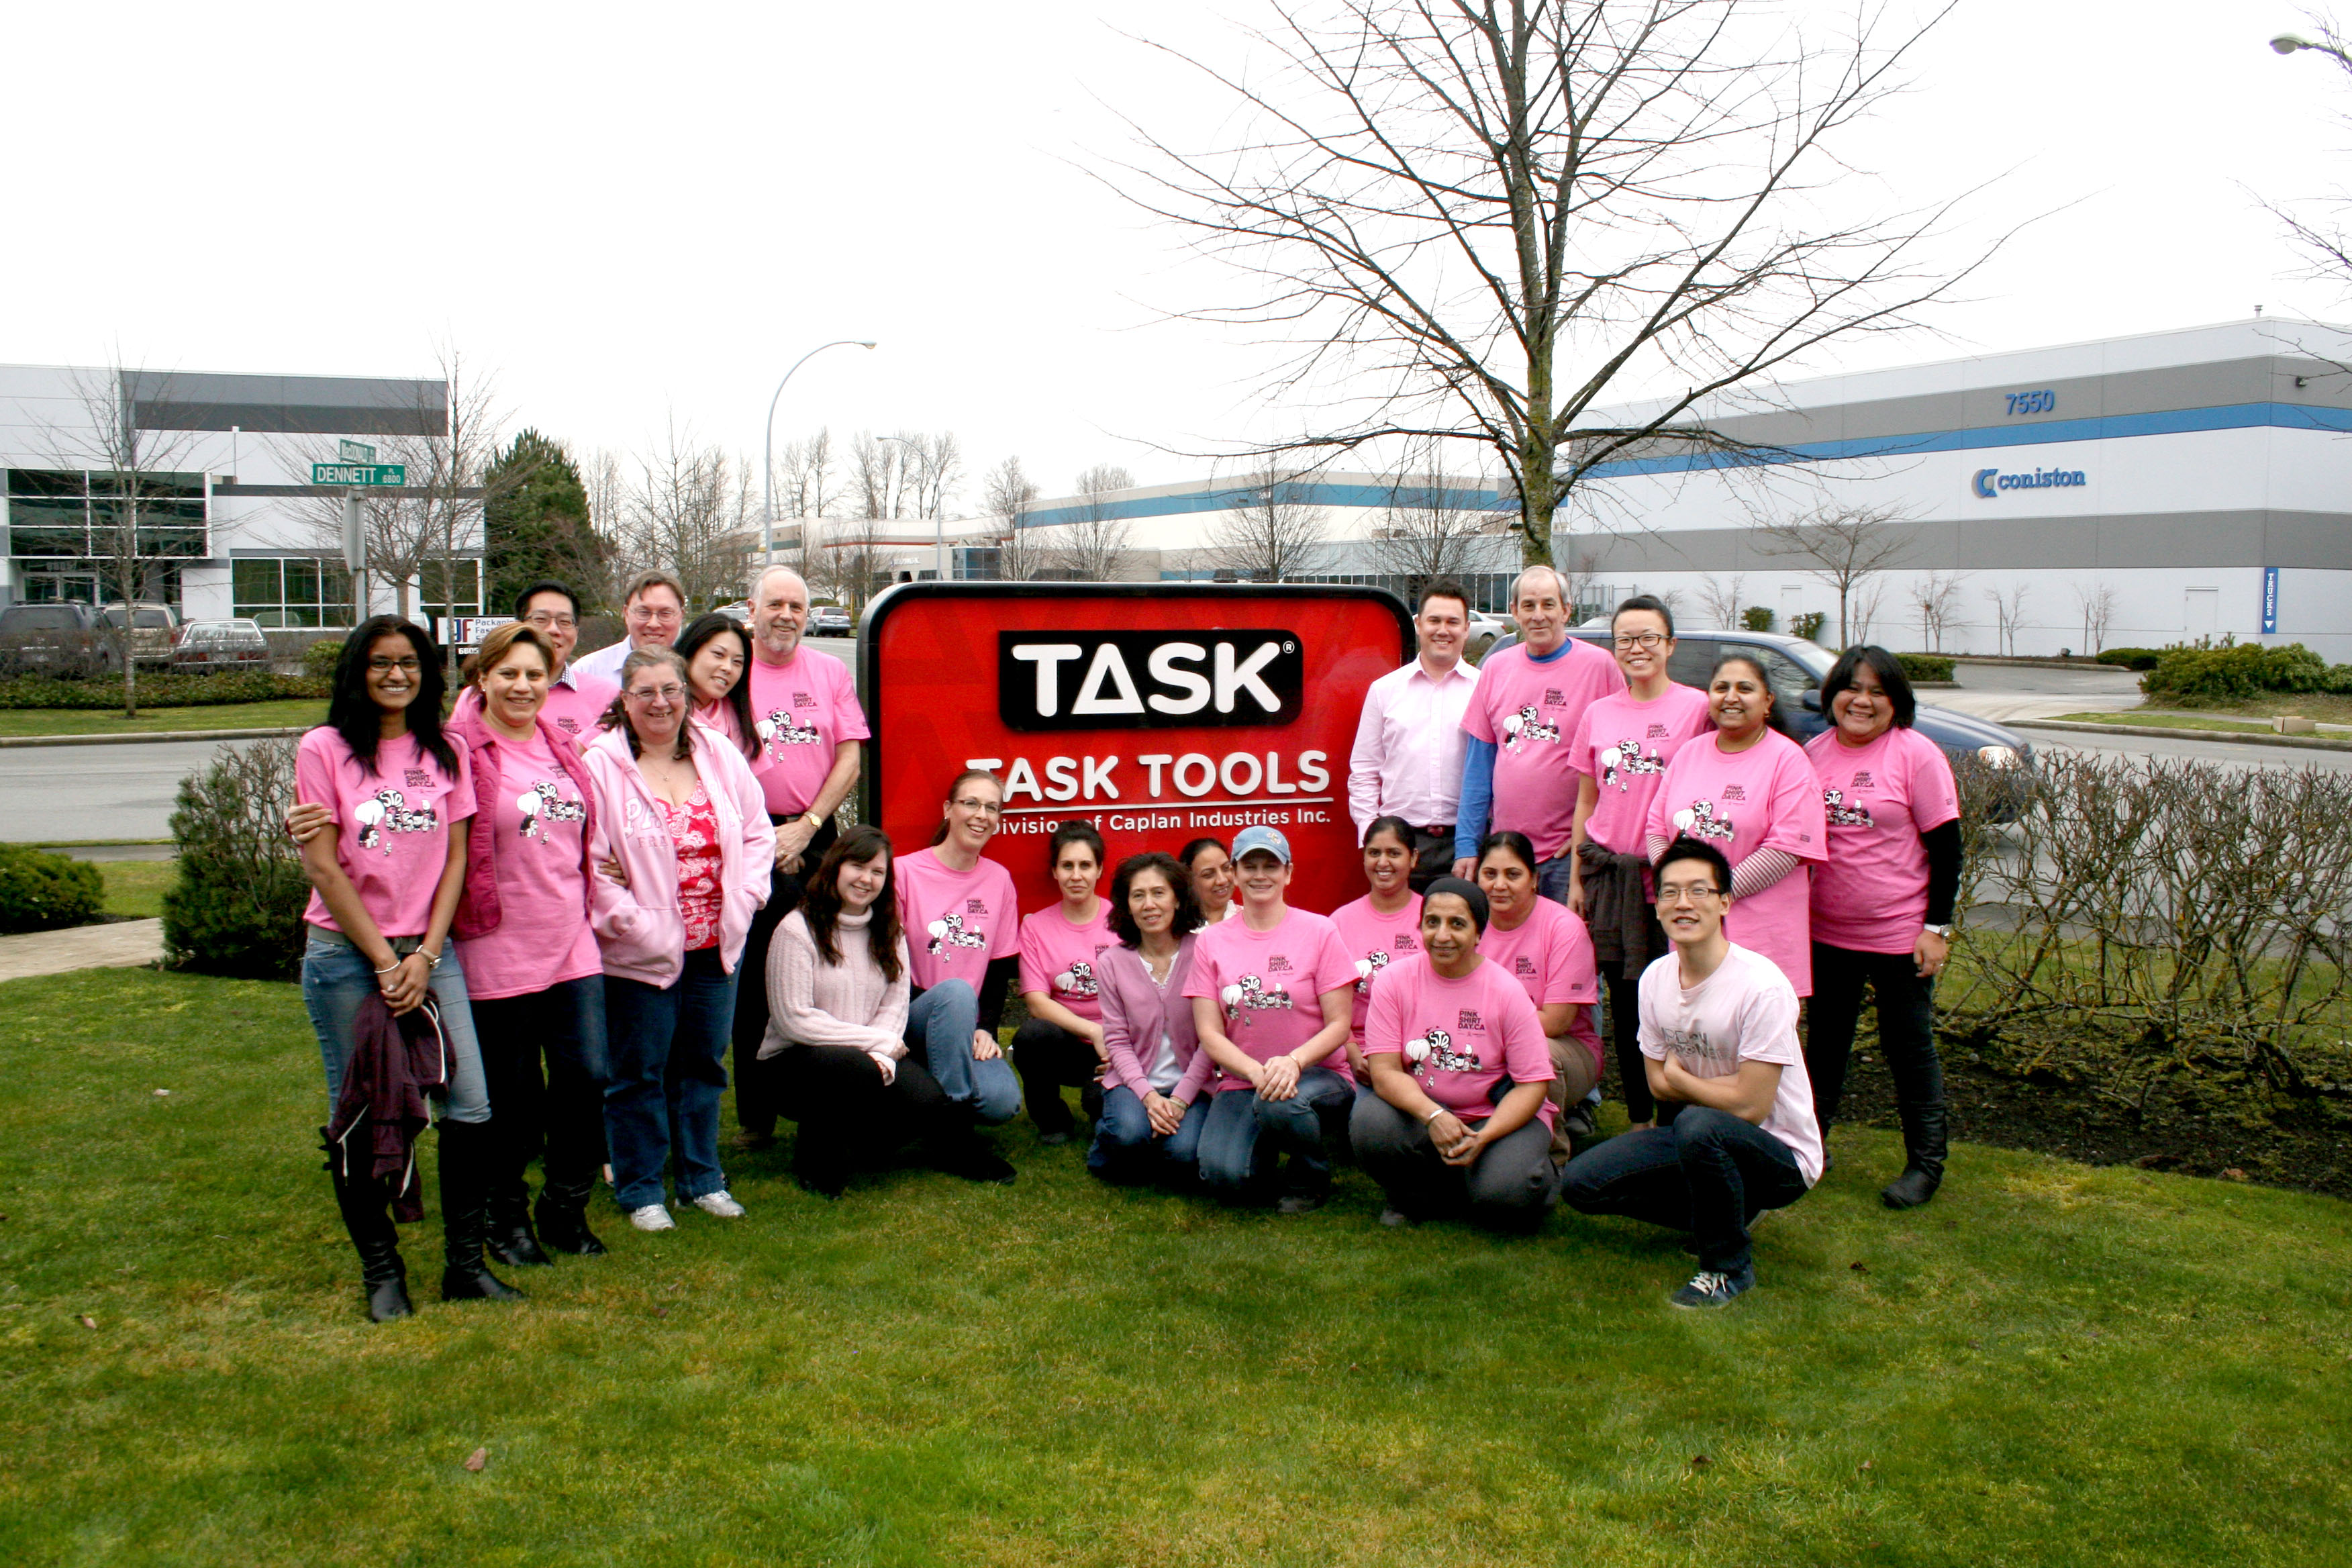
(355, 451)
(365, 475)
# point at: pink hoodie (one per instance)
(638, 926)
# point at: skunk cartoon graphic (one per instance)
(1078, 980)
(949, 932)
(1250, 995)
(779, 729)
(387, 811)
(1524, 727)
(1371, 963)
(1621, 761)
(1700, 820)
(540, 803)
(1842, 814)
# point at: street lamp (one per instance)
(768, 452)
(2287, 43)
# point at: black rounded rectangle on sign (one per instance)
(1128, 680)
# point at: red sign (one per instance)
(1159, 712)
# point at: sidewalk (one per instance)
(122, 944)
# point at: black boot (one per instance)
(510, 1238)
(465, 1216)
(1922, 1142)
(563, 1217)
(364, 1203)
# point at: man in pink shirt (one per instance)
(1720, 1032)
(1407, 760)
(812, 733)
(576, 699)
(1517, 771)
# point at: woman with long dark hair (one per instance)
(1882, 907)
(718, 654)
(386, 857)
(678, 810)
(1157, 1101)
(1210, 864)
(1060, 1044)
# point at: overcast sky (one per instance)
(636, 214)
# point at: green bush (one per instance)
(319, 659)
(41, 892)
(2130, 657)
(1809, 624)
(236, 908)
(2235, 672)
(1919, 666)
(159, 690)
(1756, 619)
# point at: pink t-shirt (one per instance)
(1529, 712)
(1744, 1012)
(957, 922)
(1765, 797)
(1270, 985)
(537, 817)
(575, 706)
(803, 708)
(1375, 941)
(1550, 954)
(1624, 747)
(1464, 1039)
(392, 825)
(1058, 958)
(1872, 896)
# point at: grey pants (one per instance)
(1511, 1187)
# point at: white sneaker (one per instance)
(720, 1204)
(653, 1217)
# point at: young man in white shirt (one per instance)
(653, 612)
(1407, 760)
(1719, 1036)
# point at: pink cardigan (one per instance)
(639, 927)
(1134, 1010)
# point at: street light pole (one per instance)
(2287, 44)
(768, 452)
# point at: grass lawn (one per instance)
(136, 887)
(298, 710)
(2177, 718)
(2050, 1364)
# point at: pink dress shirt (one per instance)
(1409, 746)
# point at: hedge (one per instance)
(236, 908)
(2236, 671)
(41, 891)
(1925, 666)
(159, 690)
(2130, 657)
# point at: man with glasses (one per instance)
(653, 612)
(1720, 1038)
(576, 698)
(1407, 760)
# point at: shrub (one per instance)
(41, 892)
(236, 908)
(159, 690)
(319, 659)
(1809, 624)
(1917, 667)
(2235, 672)
(2130, 657)
(1756, 619)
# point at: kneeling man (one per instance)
(1720, 1035)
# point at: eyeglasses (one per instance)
(993, 808)
(671, 693)
(1640, 639)
(546, 622)
(657, 617)
(405, 666)
(1678, 892)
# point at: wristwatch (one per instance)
(1944, 931)
(813, 819)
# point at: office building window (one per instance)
(70, 514)
(292, 591)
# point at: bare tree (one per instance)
(2009, 613)
(933, 471)
(807, 481)
(1093, 546)
(138, 510)
(1271, 534)
(607, 484)
(1434, 205)
(858, 561)
(880, 469)
(1579, 571)
(1841, 546)
(1010, 495)
(1432, 528)
(1867, 596)
(1935, 597)
(1721, 597)
(683, 502)
(2097, 602)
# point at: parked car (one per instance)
(831, 621)
(56, 638)
(220, 645)
(153, 629)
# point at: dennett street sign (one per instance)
(364, 475)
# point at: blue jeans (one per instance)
(668, 1048)
(941, 1024)
(337, 977)
(1551, 878)
(1126, 1149)
(1710, 1174)
(1245, 1137)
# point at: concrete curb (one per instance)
(159, 737)
(2250, 738)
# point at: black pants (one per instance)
(1432, 856)
(1906, 1026)
(562, 1113)
(755, 1110)
(847, 1114)
(1050, 1058)
(1710, 1174)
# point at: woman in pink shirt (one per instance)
(1061, 1042)
(1882, 905)
(680, 817)
(1381, 928)
(717, 650)
(1460, 1121)
(1544, 947)
(1157, 1101)
(1211, 866)
(385, 853)
(533, 966)
(1750, 791)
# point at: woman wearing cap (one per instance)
(1157, 1101)
(1459, 1122)
(963, 940)
(1060, 1044)
(1210, 867)
(1544, 947)
(1272, 991)
(1381, 928)
(1882, 905)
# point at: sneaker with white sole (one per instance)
(1708, 1287)
(653, 1217)
(720, 1206)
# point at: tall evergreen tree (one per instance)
(536, 523)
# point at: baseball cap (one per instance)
(1269, 839)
